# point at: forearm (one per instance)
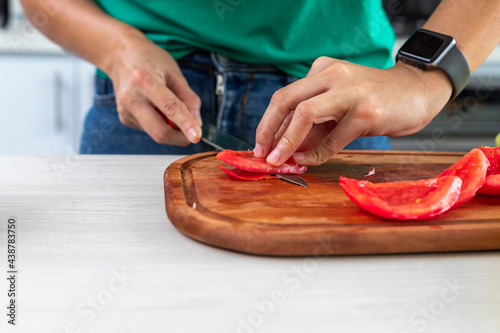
(474, 24)
(84, 29)
(146, 79)
(339, 101)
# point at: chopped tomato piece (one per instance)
(492, 182)
(245, 160)
(471, 168)
(419, 199)
(246, 175)
(491, 185)
(493, 155)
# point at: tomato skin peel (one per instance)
(245, 160)
(404, 200)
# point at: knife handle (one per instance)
(168, 121)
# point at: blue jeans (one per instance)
(236, 109)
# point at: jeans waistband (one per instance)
(221, 63)
(103, 86)
(207, 60)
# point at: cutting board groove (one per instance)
(273, 217)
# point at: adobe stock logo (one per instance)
(292, 279)
(116, 285)
(88, 310)
(428, 314)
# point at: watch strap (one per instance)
(456, 67)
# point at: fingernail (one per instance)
(299, 157)
(192, 134)
(274, 157)
(257, 151)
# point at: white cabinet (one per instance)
(42, 102)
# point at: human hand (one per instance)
(315, 117)
(147, 81)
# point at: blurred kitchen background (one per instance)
(45, 92)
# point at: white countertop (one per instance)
(96, 253)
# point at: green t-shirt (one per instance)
(289, 34)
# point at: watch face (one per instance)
(425, 46)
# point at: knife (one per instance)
(221, 140)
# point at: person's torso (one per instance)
(289, 34)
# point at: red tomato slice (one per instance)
(246, 175)
(471, 168)
(493, 155)
(419, 199)
(245, 160)
(491, 185)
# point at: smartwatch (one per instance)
(430, 50)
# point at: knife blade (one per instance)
(221, 140)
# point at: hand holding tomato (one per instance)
(315, 117)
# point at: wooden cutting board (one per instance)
(274, 217)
